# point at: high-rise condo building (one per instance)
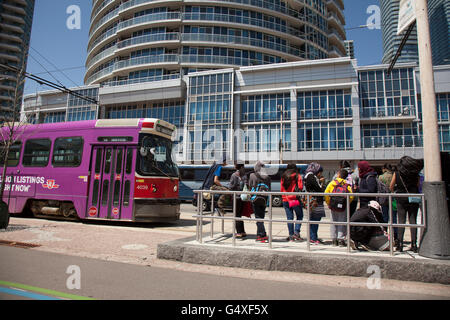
(145, 40)
(16, 17)
(439, 18)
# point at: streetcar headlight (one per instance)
(175, 189)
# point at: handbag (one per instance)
(410, 199)
(245, 197)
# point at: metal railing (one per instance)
(390, 225)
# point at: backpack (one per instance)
(339, 203)
(209, 178)
(382, 188)
(259, 200)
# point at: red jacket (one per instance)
(292, 187)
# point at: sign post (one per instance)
(435, 242)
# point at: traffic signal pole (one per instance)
(435, 242)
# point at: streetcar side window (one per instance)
(37, 153)
(129, 161)
(67, 152)
(13, 156)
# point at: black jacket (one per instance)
(368, 184)
(363, 234)
(312, 184)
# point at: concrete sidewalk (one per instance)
(218, 250)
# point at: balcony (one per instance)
(389, 114)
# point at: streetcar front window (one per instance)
(155, 157)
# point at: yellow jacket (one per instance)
(331, 187)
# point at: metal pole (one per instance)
(200, 206)
(436, 238)
(391, 229)
(308, 233)
(348, 222)
(234, 220)
(270, 223)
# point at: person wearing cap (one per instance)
(370, 238)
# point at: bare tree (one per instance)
(11, 124)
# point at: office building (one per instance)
(324, 110)
(144, 40)
(439, 18)
(16, 19)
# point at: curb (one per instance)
(428, 271)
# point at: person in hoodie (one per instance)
(314, 183)
(352, 180)
(338, 232)
(290, 181)
(260, 177)
(367, 183)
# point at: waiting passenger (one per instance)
(406, 179)
(291, 181)
(314, 183)
(237, 182)
(260, 182)
(352, 180)
(370, 238)
(367, 183)
(338, 206)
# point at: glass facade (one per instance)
(328, 104)
(387, 95)
(220, 34)
(325, 136)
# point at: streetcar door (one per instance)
(95, 182)
(111, 183)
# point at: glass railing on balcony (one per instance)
(219, 60)
(103, 20)
(199, 37)
(141, 80)
(161, 16)
(171, 36)
(386, 112)
(101, 55)
(408, 141)
(162, 58)
(243, 20)
(157, 59)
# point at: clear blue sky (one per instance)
(65, 49)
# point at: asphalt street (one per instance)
(39, 259)
(105, 280)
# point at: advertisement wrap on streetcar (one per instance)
(102, 169)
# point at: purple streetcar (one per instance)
(94, 170)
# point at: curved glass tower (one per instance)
(439, 18)
(145, 40)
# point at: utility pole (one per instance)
(435, 242)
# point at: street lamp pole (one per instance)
(435, 242)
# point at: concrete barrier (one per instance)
(423, 270)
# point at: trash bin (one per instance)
(4, 215)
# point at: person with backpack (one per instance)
(291, 181)
(217, 186)
(352, 180)
(406, 179)
(338, 206)
(367, 183)
(313, 183)
(259, 181)
(237, 182)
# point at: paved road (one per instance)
(118, 261)
(111, 280)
